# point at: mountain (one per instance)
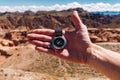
(107, 12)
(54, 19)
(14, 26)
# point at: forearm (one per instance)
(105, 61)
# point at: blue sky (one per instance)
(51, 2)
(47, 5)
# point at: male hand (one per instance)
(78, 42)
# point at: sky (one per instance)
(47, 5)
(51, 2)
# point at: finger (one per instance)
(40, 43)
(49, 32)
(76, 20)
(41, 37)
(45, 50)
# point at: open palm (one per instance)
(78, 41)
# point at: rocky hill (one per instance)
(55, 19)
(15, 26)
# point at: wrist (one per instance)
(92, 54)
(88, 53)
(96, 53)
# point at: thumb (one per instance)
(76, 20)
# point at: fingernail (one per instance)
(75, 12)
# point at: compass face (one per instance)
(59, 42)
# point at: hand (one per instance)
(78, 42)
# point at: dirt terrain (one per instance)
(19, 60)
(24, 63)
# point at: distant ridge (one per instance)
(107, 12)
(56, 19)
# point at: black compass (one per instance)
(59, 41)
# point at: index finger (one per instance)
(48, 32)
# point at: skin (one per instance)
(79, 48)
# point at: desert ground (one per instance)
(28, 64)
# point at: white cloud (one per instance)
(89, 7)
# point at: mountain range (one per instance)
(107, 12)
(55, 19)
(14, 26)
